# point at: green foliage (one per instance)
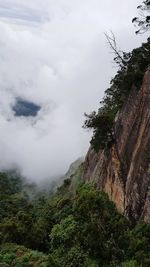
(19, 256)
(140, 243)
(102, 123)
(20, 218)
(130, 264)
(63, 233)
(76, 229)
(130, 74)
(9, 184)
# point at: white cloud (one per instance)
(62, 63)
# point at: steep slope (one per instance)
(123, 171)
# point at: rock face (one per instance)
(124, 171)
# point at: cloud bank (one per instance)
(54, 53)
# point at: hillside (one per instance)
(100, 215)
(76, 229)
(119, 157)
(123, 171)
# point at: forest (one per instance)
(76, 226)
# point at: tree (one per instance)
(132, 67)
(102, 125)
(120, 58)
(143, 21)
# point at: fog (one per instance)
(54, 54)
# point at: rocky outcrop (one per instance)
(124, 171)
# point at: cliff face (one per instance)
(124, 171)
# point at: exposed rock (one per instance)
(123, 171)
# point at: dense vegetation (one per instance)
(67, 229)
(132, 67)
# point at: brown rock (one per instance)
(123, 171)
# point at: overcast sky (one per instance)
(54, 53)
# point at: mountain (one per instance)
(78, 225)
(73, 168)
(98, 213)
(123, 172)
(25, 108)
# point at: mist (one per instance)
(54, 54)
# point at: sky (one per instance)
(54, 53)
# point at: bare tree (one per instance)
(120, 56)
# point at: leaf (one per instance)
(148, 19)
(134, 19)
(137, 31)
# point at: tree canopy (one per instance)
(67, 229)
